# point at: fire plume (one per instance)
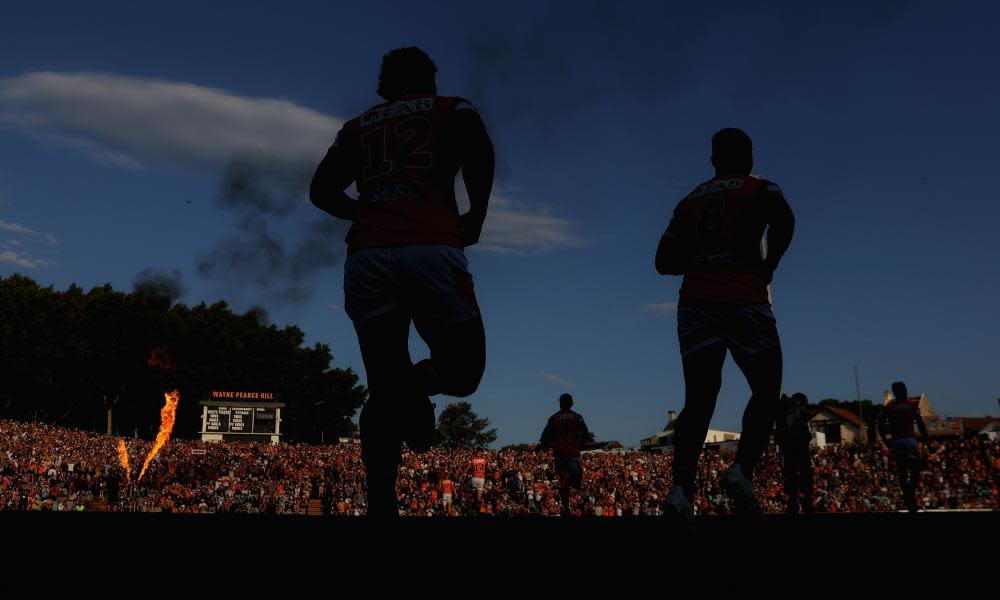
(160, 359)
(123, 457)
(167, 415)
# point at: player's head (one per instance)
(799, 400)
(565, 401)
(406, 71)
(732, 151)
(899, 391)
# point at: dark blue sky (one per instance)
(117, 124)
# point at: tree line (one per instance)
(74, 357)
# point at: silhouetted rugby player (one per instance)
(898, 419)
(713, 240)
(404, 255)
(793, 436)
(564, 433)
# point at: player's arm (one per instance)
(921, 426)
(674, 252)
(780, 227)
(335, 174)
(883, 422)
(583, 431)
(478, 164)
(548, 436)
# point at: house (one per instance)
(613, 446)
(833, 426)
(663, 441)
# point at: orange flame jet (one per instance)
(123, 457)
(167, 415)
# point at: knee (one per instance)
(461, 375)
(466, 384)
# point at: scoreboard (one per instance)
(242, 419)
(229, 414)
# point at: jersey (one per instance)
(447, 487)
(723, 221)
(565, 432)
(900, 416)
(479, 468)
(404, 156)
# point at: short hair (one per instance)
(732, 148)
(565, 401)
(899, 390)
(800, 398)
(404, 71)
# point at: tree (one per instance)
(84, 360)
(459, 427)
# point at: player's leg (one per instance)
(752, 336)
(903, 473)
(914, 483)
(383, 341)
(789, 470)
(702, 382)
(458, 356)
(446, 315)
(763, 373)
(913, 468)
(806, 480)
(371, 300)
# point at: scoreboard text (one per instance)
(232, 419)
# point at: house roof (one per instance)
(976, 424)
(844, 414)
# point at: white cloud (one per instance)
(513, 228)
(16, 228)
(23, 235)
(22, 260)
(128, 121)
(557, 379)
(662, 308)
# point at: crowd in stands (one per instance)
(45, 467)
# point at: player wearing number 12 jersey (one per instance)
(405, 262)
(714, 241)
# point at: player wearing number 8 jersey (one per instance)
(714, 241)
(405, 262)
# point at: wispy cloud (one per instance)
(131, 121)
(557, 379)
(513, 227)
(663, 308)
(12, 251)
(22, 259)
(17, 228)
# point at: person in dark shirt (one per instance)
(896, 427)
(565, 433)
(405, 255)
(793, 436)
(714, 240)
